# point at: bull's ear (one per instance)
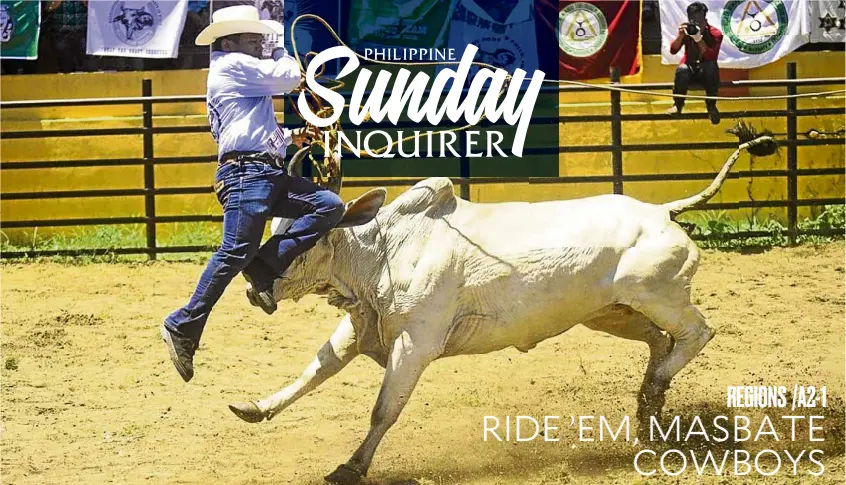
(363, 209)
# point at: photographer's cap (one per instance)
(238, 19)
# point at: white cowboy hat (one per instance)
(240, 19)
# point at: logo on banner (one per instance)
(7, 24)
(754, 26)
(500, 52)
(135, 26)
(828, 22)
(582, 29)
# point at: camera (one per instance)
(693, 28)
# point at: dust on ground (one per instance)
(90, 397)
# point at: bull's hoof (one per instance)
(248, 411)
(344, 475)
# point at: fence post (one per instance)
(464, 170)
(149, 170)
(616, 135)
(792, 190)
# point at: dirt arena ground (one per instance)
(89, 397)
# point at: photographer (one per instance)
(701, 42)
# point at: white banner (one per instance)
(135, 28)
(755, 32)
(272, 10)
(829, 20)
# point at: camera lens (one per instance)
(692, 29)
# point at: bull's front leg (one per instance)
(333, 356)
(408, 361)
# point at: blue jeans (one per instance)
(250, 193)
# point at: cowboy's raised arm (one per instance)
(265, 77)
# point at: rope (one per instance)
(610, 87)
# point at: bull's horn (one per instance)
(295, 165)
(336, 176)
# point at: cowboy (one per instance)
(251, 181)
(701, 42)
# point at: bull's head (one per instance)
(312, 272)
(133, 19)
(122, 17)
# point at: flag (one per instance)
(398, 23)
(504, 33)
(20, 23)
(828, 21)
(755, 32)
(135, 28)
(595, 36)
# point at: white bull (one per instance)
(432, 275)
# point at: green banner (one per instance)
(20, 23)
(395, 23)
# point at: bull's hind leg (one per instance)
(626, 323)
(673, 312)
(336, 353)
(408, 361)
(654, 279)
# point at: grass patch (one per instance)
(718, 228)
(107, 238)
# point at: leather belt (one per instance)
(237, 157)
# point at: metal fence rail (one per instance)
(618, 178)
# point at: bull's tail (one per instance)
(679, 206)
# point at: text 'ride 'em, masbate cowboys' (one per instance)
(410, 97)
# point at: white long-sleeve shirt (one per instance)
(239, 101)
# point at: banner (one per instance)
(20, 25)
(594, 36)
(828, 19)
(506, 38)
(272, 10)
(755, 32)
(398, 23)
(138, 28)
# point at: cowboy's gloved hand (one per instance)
(303, 136)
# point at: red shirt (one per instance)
(711, 53)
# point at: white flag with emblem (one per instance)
(135, 28)
(755, 32)
(828, 19)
